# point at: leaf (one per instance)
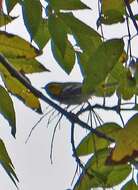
(31, 20)
(67, 62)
(10, 4)
(61, 47)
(112, 12)
(107, 87)
(5, 19)
(7, 109)
(42, 35)
(130, 185)
(92, 143)
(101, 63)
(127, 86)
(20, 54)
(7, 163)
(67, 5)
(24, 66)
(58, 33)
(86, 37)
(136, 16)
(112, 17)
(126, 137)
(19, 90)
(27, 65)
(98, 174)
(15, 47)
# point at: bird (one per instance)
(68, 93)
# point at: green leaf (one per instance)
(121, 153)
(112, 17)
(61, 47)
(86, 37)
(67, 62)
(136, 16)
(7, 109)
(112, 12)
(7, 163)
(58, 33)
(127, 86)
(13, 46)
(130, 185)
(100, 175)
(105, 89)
(10, 4)
(32, 15)
(67, 4)
(118, 79)
(5, 19)
(42, 35)
(92, 143)
(19, 90)
(101, 63)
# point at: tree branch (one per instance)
(69, 115)
(107, 108)
(78, 161)
(131, 14)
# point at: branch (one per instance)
(69, 115)
(107, 108)
(131, 14)
(78, 161)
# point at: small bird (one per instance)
(69, 93)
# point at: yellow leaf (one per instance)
(19, 90)
(13, 46)
(126, 148)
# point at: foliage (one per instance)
(108, 66)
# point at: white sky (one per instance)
(32, 160)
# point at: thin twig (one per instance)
(131, 14)
(99, 19)
(78, 161)
(52, 141)
(74, 175)
(129, 40)
(135, 99)
(121, 119)
(99, 119)
(53, 117)
(49, 119)
(33, 128)
(93, 139)
(94, 117)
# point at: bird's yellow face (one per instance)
(54, 89)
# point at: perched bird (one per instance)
(69, 93)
